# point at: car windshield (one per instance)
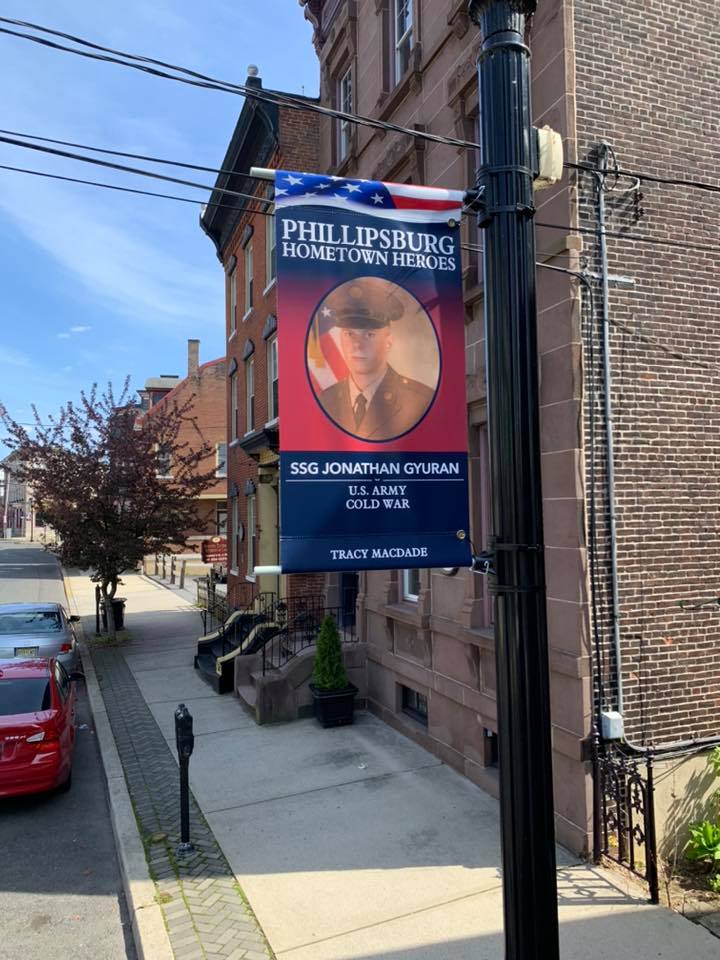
(24, 695)
(30, 621)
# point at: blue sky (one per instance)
(96, 285)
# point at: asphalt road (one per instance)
(60, 887)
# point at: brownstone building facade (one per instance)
(266, 135)
(645, 81)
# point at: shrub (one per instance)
(329, 671)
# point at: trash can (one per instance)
(118, 608)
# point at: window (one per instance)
(233, 407)
(221, 518)
(163, 459)
(248, 279)
(249, 394)
(270, 257)
(402, 36)
(220, 459)
(415, 705)
(235, 535)
(251, 536)
(345, 104)
(272, 366)
(410, 584)
(232, 279)
(21, 695)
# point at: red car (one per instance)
(37, 726)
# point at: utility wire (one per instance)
(194, 78)
(136, 170)
(112, 186)
(638, 238)
(131, 156)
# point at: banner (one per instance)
(373, 422)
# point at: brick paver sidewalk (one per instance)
(206, 914)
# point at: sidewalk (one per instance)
(349, 844)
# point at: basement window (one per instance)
(415, 705)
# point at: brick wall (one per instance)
(647, 81)
(206, 389)
(296, 150)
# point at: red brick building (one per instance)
(266, 135)
(205, 386)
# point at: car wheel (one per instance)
(66, 784)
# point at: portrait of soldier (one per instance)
(372, 401)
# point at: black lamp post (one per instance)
(504, 201)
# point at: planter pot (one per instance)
(334, 708)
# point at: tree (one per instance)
(115, 483)
(328, 670)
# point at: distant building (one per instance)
(205, 384)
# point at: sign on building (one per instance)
(373, 438)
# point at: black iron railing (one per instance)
(625, 827)
(298, 622)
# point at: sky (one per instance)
(97, 285)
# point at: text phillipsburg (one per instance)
(378, 468)
(374, 246)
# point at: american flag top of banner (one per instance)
(373, 457)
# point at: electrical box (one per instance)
(612, 725)
(549, 147)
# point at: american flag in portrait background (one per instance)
(325, 360)
(387, 201)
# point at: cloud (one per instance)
(80, 329)
(63, 336)
(13, 358)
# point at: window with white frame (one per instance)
(410, 585)
(402, 36)
(270, 255)
(272, 368)
(232, 281)
(248, 302)
(234, 534)
(249, 394)
(251, 535)
(220, 459)
(345, 104)
(233, 406)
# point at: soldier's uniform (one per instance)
(397, 403)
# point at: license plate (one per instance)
(26, 651)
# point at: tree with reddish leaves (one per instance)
(114, 482)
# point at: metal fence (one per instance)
(625, 813)
(285, 625)
(298, 622)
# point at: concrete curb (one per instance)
(148, 925)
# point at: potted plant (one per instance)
(333, 694)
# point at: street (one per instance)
(60, 887)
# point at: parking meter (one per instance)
(185, 741)
(184, 736)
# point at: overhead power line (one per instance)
(134, 170)
(113, 186)
(197, 79)
(131, 156)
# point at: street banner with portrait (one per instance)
(373, 423)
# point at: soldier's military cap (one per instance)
(364, 304)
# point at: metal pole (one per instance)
(97, 609)
(506, 209)
(184, 802)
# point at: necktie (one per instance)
(359, 408)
